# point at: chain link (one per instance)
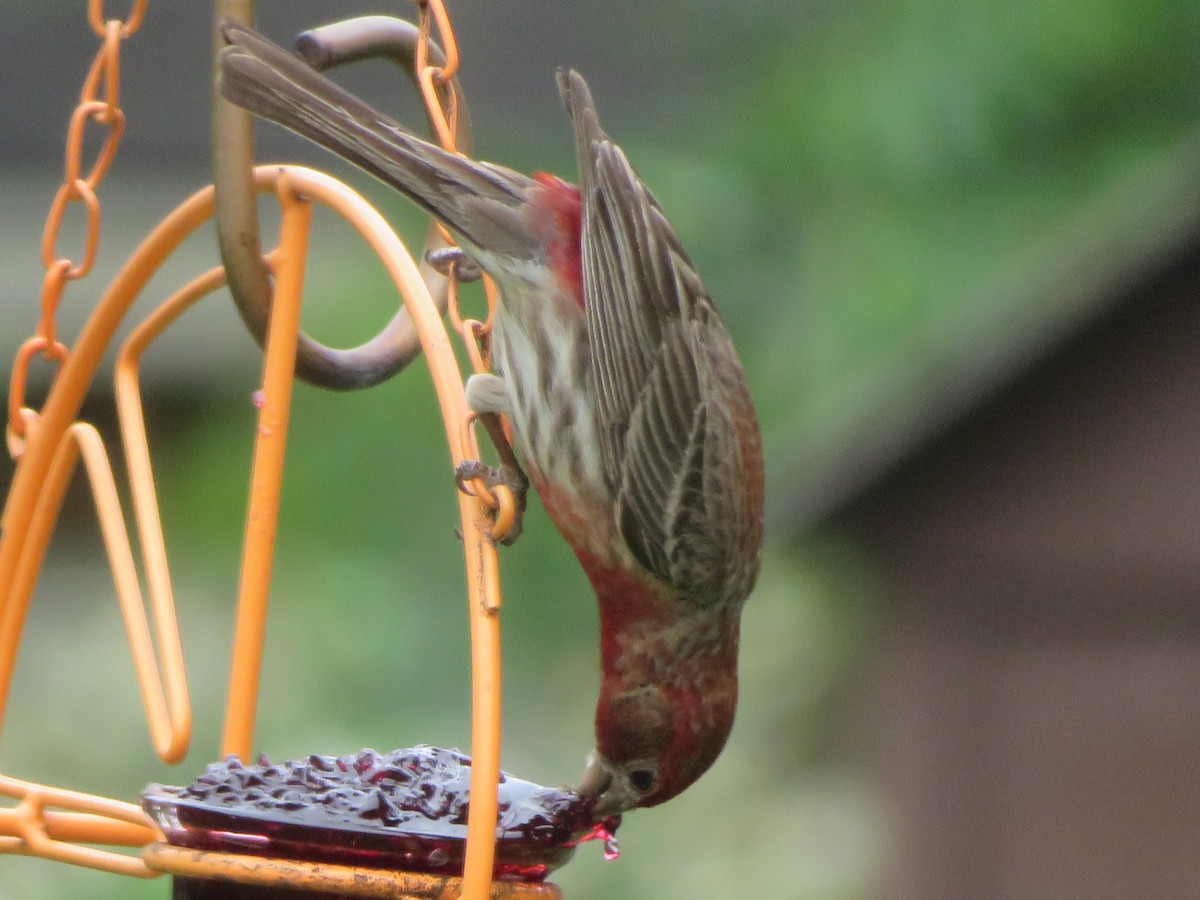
(99, 103)
(100, 22)
(444, 117)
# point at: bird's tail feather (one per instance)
(265, 79)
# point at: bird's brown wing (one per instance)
(666, 378)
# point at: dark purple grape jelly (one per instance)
(405, 810)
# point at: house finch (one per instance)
(626, 399)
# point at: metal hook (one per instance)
(396, 345)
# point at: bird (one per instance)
(627, 402)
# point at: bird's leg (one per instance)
(488, 399)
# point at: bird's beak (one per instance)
(596, 776)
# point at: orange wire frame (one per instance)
(56, 823)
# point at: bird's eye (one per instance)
(643, 780)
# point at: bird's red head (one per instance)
(652, 743)
(668, 691)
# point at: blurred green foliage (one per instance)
(847, 189)
(889, 159)
(904, 154)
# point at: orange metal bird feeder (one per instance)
(49, 443)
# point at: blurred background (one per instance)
(958, 246)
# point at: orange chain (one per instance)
(445, 119)
(99, 102)
(476, 335)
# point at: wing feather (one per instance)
(664, 373)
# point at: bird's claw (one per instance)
(510, 476)
(447, 259)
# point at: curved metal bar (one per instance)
(236, 200)
(28, 827)
(327, 879)
(381, 37)
(396, 345)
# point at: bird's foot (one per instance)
(487, 397)
(508, 475)
(445, 260)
